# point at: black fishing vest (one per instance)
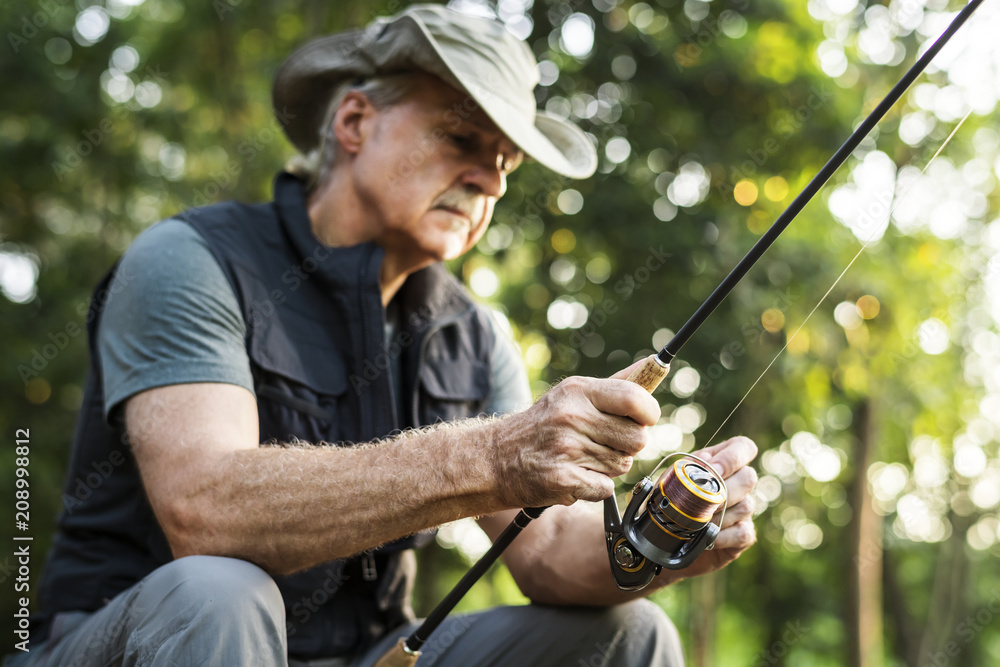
(320, 363)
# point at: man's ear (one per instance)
(351, 122)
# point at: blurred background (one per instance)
(878, 426)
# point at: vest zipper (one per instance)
(368, 415)
(368, 571)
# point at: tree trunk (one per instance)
(703, 591)
(948, 598)
(905, 630)
(865, 648)
(426, 593)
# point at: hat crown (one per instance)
(480, 53)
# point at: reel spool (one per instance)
(667, 524)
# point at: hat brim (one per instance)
(306, 81)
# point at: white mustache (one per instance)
(466, 201)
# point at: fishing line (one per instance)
(864, 246)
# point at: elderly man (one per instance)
(286, 397)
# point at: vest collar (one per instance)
(432, 290)
(354, 266)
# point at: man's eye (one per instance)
(463, 141)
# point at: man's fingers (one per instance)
(729, 456)
(609, 412)
(739, 512)
(593, 487)
(625, 372)
(618, 435)
(623, 398)
(738, 536)
(605, 460)
(739, 485)
(596, 457)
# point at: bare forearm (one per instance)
(216, 491)
(289, 508)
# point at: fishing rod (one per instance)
(669, 524)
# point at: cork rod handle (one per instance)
(650, 374)
(398, 656)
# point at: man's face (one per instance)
(430, 171)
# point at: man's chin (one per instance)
(454, 252)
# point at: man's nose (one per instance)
(488, 176)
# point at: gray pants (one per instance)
(204, 610)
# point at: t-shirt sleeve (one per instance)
(511, 391)
(171, 318)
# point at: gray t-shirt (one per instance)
(172, 318)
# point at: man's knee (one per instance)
(224, 608)
(641, 628)
(217, 585)
(641, 618)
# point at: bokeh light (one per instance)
(18, 274)
(563, 240)
(577, 35)
(745, 193)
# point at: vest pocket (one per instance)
(453, 389)
(274, 393)
(300, 386)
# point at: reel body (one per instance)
(667, 524)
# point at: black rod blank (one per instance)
(420, 635)
(670, 350)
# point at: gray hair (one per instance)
(315, 166)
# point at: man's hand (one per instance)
(730, 459)
(571, 443)
(567, 447)
(561, 557)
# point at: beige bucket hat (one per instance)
(475, 55)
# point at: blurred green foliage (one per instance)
(878, 432)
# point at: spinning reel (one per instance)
(668, 524)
